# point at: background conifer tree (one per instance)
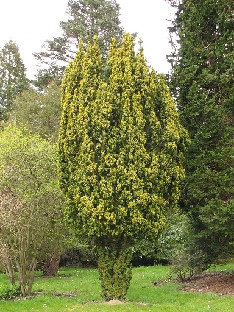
(202, 83)
(13, 80)
(86, 19)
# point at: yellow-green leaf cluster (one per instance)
(121, 144)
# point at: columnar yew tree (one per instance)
(121, 157)
(202, 83)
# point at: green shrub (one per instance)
(175, 237)
(10, 293)
(177, 244)
(188, 263)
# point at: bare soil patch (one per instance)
(57, 294)
(114, 302)
(219, 283)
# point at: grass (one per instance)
(84, 286)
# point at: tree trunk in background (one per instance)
(51, 264)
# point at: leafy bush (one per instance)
(144, 252)
(79, 255)
(188, 263)
(177, 244)
(10, 293)
(31, 204)
(175, 237)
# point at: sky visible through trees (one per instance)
(149, 19)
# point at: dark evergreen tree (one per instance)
(202, 84)
(12, 77)
(86, 19)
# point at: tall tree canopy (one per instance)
(12, 77)
(202, 83)
(86, 19)
(39, 111)
(121, 152)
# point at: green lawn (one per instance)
(83, 294)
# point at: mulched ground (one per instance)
(219, 283)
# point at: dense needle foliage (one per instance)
(202, 83)
(121, 152)
(13, 79)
